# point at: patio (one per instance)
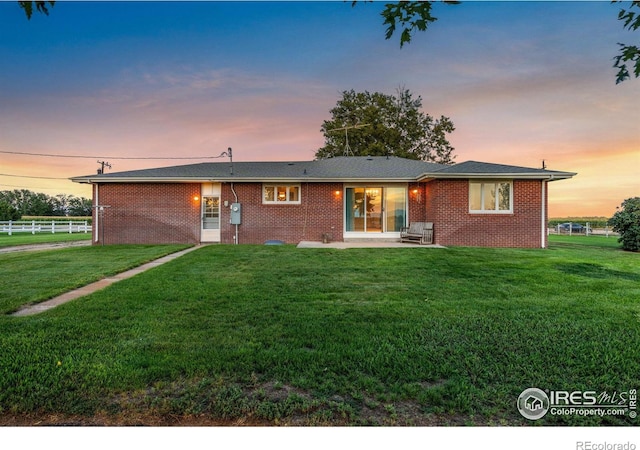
(364, 244)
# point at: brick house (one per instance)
(344, 198)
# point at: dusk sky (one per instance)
(523, 82)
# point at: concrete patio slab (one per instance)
(364, 244)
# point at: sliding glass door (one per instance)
(395, 208)
(375, 209)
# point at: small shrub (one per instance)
(626, 221)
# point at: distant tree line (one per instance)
(22, 202)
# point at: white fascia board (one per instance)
(498, 176)
(95, 180)
(329, 180)
(92, 180)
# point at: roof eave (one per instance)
(93, 180)
(309, 179)
(494, 176)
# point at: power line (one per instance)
(221, 155)
(27, 187)
(39, 178)
(107, 157)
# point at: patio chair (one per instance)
(420, 232)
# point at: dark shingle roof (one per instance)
(372, 167)
(365, 168)
(475, 168)
(340, 168)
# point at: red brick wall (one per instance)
(320, 211)
(167, 213)
(418, 201)
(147, 213)
(447, 206)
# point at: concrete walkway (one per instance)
(93, 287)
(45, 246)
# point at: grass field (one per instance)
(583, 242)
(275, 334)
(31, 277)
(41, 238)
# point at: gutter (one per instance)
(91, 180)
(543, 222)
(496, 176)
(427, 176)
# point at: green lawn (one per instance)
(32, 277)
(321, 336)
(580, 241)
(40, 238)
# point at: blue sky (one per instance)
(522, 82)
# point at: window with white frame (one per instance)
(281, 194)
(491, 197)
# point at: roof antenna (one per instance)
(347, 149)
(228, 153)
(103, 164)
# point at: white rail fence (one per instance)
(37, 226)
(579, 229)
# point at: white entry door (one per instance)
(210, 225)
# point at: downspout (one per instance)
(543, 222)
(95, 215)
(306, 211)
